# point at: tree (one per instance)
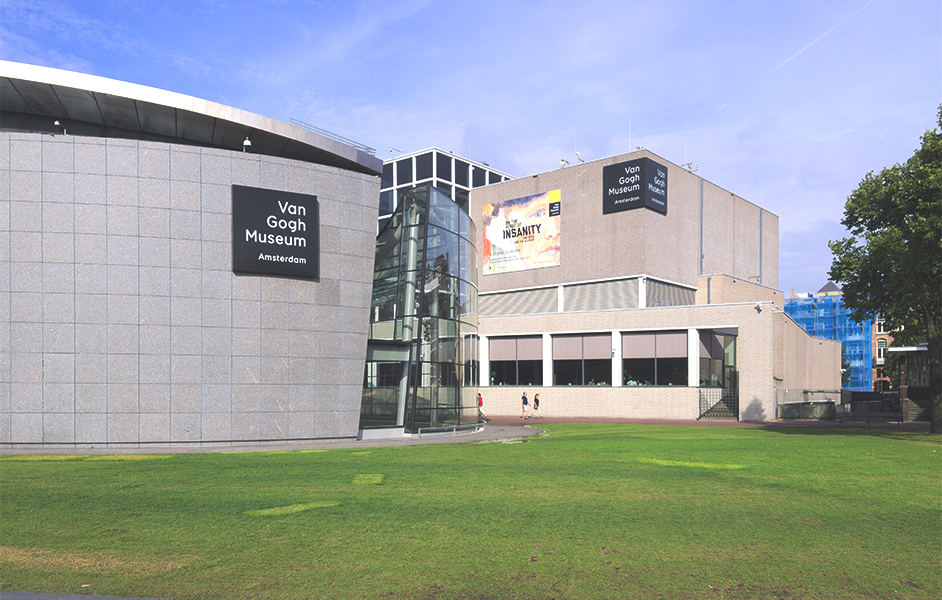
(892, 264)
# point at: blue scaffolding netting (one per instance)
(827, 317)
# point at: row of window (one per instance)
(658, 358)
(448, 168)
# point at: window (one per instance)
(443, 162)
(386, 203)
(478, 177)
(582, 359)
(423, 166)
(718, 360)
(516, 360)
(461, 173)
(881, 349)
(654, 358)
(404, 171)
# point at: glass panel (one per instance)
(478, 177)
(467, 268)
(444, 166)
(444, 251)
(387, 179)
(380, 397)
(461, 173)
(385, 203)
(672, 371)
(468, 299)
(443, 212)
(638, 371)
(464, 226)
(530, 372)
(444, 188)
(729, 351)
(598, 371)
(423, 166)
(404, 171)
(503, 372)
(462, 198)
(567, 372)
(441, 299)
(472, 373)
(711, 372)
(493, 177)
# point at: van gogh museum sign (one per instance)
(634, 184)
(274, 232)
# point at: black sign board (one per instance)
(275, 232)
(634, 184)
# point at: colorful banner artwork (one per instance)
(522, 233)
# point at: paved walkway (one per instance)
(498, 428)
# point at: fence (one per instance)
(806, 404)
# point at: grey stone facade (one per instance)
(123, 323)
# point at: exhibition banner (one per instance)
(522, 233)
(275, 232)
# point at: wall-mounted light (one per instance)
(58, 124)
(246, 144)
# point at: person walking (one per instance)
(524, 402)
(536, 406)
(481, 413)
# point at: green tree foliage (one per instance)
(892, 264)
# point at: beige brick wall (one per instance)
(597, 401)
(724, 289)
(595, 246)
(803, 362)
(754, 356)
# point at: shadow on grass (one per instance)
(830, 428)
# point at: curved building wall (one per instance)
(123, 322)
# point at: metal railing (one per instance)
(719, 403)
(333, 136)
(453, 429)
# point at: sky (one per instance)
(787, 104)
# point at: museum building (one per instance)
(178, 272)
(175, 271)
(631, 287)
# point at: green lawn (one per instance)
(586, 511)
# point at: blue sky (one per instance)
(787, 104)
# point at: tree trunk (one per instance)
(935, 374)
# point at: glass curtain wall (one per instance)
(424, 312)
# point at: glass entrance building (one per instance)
(422, 364)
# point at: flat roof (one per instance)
(93, 106)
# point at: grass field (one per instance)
(586, 511)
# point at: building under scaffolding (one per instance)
(825, 316)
